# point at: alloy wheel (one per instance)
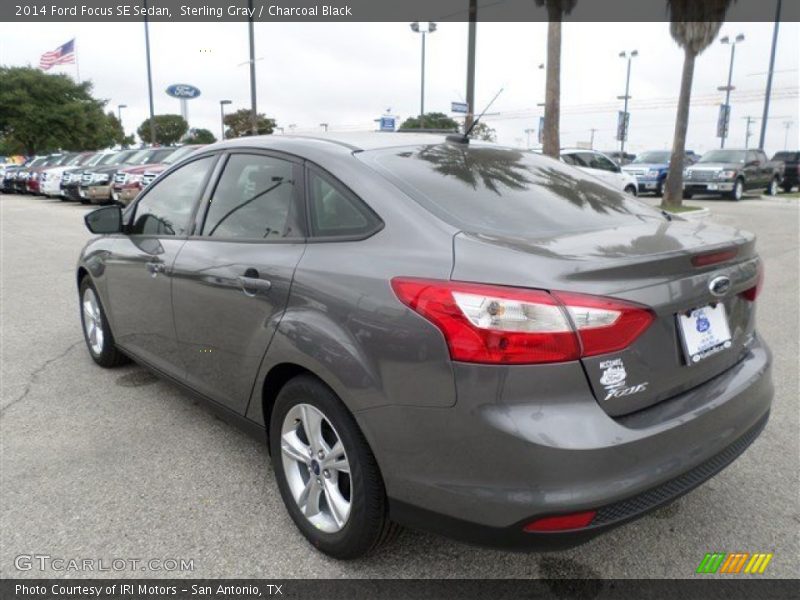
(316, 467)
(92, 321)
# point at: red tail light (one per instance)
(561, 522)
(713, 258)
(752, 293)
(506, 325)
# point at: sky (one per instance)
(349, 74)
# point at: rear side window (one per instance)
(496, 190)
(334, 211)
(256, 198)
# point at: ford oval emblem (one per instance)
(183, 91)
(719, 286)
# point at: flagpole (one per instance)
(77, 66)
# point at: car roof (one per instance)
(351, 141)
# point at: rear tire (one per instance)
(96, 330)
(772, 188)
(309, 466)
(786, 187)
(687, 195)
(631, 189)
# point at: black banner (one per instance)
(744, 588)
(366, 10)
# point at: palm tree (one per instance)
(556, 9)
(693, 26)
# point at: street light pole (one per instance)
(222, 104)
(471, 38)
(119, 113)
(149, 76)
(629, 56)
(253, 105)
(423, 28)
(729, 87)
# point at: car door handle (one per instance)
(252, 285)
(155, 268)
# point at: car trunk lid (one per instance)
(649, 263)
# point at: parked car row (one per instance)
(92, 177)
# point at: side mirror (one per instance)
(107, 219)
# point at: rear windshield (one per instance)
(505, 191)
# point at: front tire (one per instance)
(738, 191)
(96, 331)
(631, 189)
(326, 473)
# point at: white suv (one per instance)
(601, 166)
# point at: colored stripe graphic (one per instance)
(722, 562)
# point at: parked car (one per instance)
(51, 185)
(9, 178)
(128, 181)
(33, 182)
(154, 170)
(601, 166)
(791, 172)
(95, 183)
(23, 174)
(71, 178)
(650, 170)
(455, 336)
(731, 173)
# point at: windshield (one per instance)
(786, 156)
(179, 154)
(494, 190)
(95, 159)
(37, 161)
(723, 156)
(108, 159)
(159, 155)
(652, 157)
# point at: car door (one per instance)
(232, 279)
(753, 172)
(138, 270)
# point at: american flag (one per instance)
(64, 54)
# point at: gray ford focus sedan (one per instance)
(437, 333)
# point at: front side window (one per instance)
(597, 161)
(335, 212)
(256, 198)
(166, 209)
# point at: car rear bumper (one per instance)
(522, 444)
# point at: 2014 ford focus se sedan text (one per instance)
(437, 333)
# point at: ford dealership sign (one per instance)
(183, 91)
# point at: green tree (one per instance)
(434, 120)
(551, 139)
(482, 131)
(200, 136)
(239, 124)
(169, 129)
(693, 26)
(40, 113)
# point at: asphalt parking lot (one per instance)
(117, 464)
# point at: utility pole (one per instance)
(624, 128)
(728, 88)
(253, 104)
(591, 139)
(149, 76)
(787, 125)
(473, 26)
(765, 116)
(222, 104)
(750, 120)
(324, 126)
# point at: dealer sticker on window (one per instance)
(704, 332)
